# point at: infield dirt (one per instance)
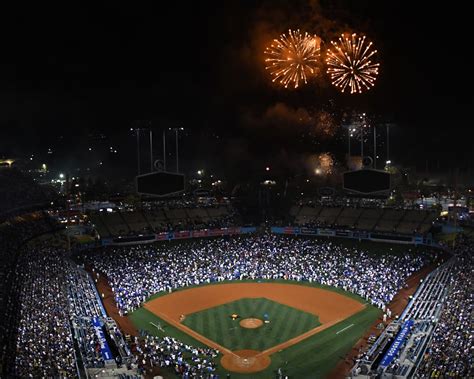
(331, 308)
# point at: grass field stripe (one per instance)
(347, 327)
(303, 336)
(288, 323)
(294, 322)
(245, 308)
(219, 325)
(194, 334)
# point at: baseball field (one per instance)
(262, 326)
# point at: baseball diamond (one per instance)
(295, 309)
(302, 318)
(209, 286)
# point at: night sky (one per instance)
(74, 70)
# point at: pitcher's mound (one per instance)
(245, 361)
(251, 323)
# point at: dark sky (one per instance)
(73, 69)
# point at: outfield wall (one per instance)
(181, 235)
(354, 234)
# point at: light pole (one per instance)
(375, 147)
(164, 150)
(151, 150)
(137, 132)
(176, 130)
(349, 134)
(388, 142)
(177, 152)
(138, 149)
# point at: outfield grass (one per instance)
(285, 323)
(313, 357)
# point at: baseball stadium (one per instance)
(262, 189)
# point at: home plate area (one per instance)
(248, 322)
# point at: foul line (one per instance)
(301, 337)
(191, 332)
(269, 351)
(347, 327)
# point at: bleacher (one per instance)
(136, 221)
(197, 215)
(427, 222)
(115, 223)
(99, 225)
(424, 310)
(369, 218)
(86, 304)
(425, 303)
(349, 217)
(175, 215)
(307, 214)
(382, 220)
(390, 220)
(154, 220)
(328, 216)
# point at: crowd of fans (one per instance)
(450, 354)
(13, 234)
(53, 302)
(44, 344)
(166, 352)
(191, 202)
(137, 272)
(47, 331)
(49, 305)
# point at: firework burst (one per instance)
(292, 58)
(350, 65)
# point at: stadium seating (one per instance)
(368, 219)
(381, 220)
(164, 218)
(349, 217)
(135, 221)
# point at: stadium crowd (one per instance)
(137, 272)
(44, 344)
(13, 234)
(450, 354)
(185, 360)
(49, 332)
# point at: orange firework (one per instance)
(322, 164)
(292, 58)
(325, 125)
(349, 64)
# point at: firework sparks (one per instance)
(292, 58)
(350, 65)
(325, 125)
(322, 164)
